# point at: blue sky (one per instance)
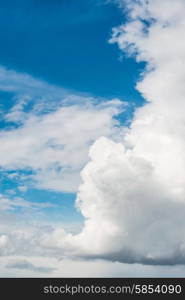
(90, 170)
(64, 43)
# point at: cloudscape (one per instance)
(92, 138)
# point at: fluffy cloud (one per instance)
(133, 193)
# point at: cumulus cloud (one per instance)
(133, 192)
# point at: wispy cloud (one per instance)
(52, 130)
(25, 84)
(18, 202)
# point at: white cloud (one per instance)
(52, 137)
(18, 202)
(133, 193)
(55, 145)
(26, 85)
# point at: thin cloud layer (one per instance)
(75, 268)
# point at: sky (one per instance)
(92, 138)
